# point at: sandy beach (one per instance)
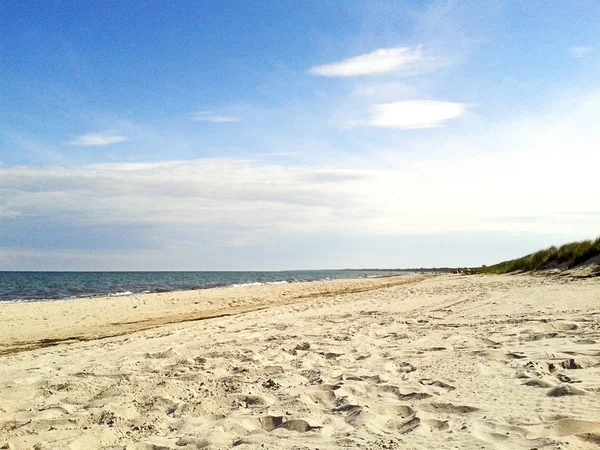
(447, 361)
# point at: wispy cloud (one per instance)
(579, 52)
(210, 116)
(267, 154)
(180, 209)
(252, 201)
(413, 114)
(385, 90)
(98, 139)
(405, 60)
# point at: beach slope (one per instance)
(406, 362)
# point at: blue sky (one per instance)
(279, 135)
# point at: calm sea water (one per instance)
(35, 286)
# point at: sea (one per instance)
(47, 286)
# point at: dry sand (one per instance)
(426, 362)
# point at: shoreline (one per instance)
(126, 290)
(26, 326)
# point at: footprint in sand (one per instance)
(405, 367)
(509, 436)
(575, 364)
(565, 390)
(492, 344)
(585, 430)
(570, 427)
(246, 425)
(254, 400)
(395, 390)
(436, 383)
(170, 353)
(366, 378)
(384, 418)
(313, 376)
(298, 425)
(321, 398)
(538, 384)
(434, 349)
(435, 424)
(447, 408)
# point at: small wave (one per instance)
(14, 300)
(21, 287)
(255, 283)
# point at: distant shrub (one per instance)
(566, 256)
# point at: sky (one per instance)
(273, 135)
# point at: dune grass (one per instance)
(566, 256)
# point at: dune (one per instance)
(444, 361)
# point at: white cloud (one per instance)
(385, 91)
(210, 116)
(580, 52)
(248, 201)
(268, 154)
(413, 114)
(382, 61)
(98, 139)
(525, 176)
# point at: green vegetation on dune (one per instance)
(566, 256)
